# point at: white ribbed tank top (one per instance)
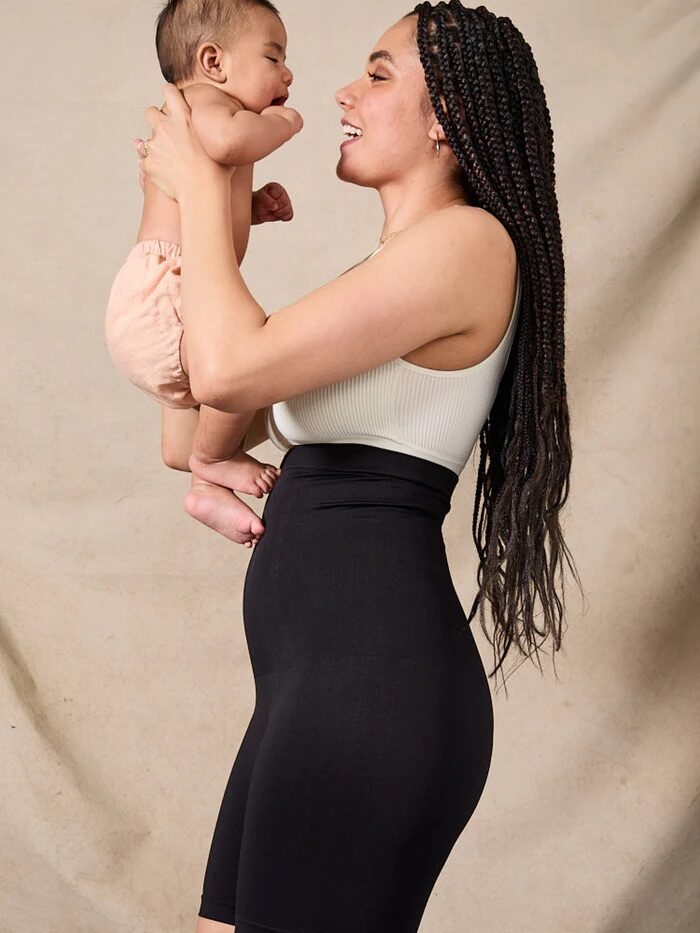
(432, 413)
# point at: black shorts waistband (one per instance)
(371, 460)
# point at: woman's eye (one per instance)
(373, 74)
(275, 60)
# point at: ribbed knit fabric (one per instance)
(435, 414)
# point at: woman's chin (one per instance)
(352, 174)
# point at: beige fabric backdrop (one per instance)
(126, 685)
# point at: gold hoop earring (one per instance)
(437, 147)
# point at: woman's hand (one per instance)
(173, 157)
(138, 143)
(270, 203)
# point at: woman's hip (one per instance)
(352, 562)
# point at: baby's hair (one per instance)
(183, 25)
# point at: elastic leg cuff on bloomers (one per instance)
(213, 909)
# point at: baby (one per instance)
(227, 57)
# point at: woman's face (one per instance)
(390, 105)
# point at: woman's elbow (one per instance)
(219, 393)
(203, 385)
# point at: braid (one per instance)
(486, 93)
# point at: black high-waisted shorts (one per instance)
(371, 737)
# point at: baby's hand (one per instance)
(293, 117)
(270, 203)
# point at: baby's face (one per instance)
(256, 72)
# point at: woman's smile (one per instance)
(352, 132)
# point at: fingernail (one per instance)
(275, 205)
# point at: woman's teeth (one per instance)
(352, 131)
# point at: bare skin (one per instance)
(177, 439)
(179, 430)
(236, 107)
(212, 926)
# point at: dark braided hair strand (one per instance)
(486, 93)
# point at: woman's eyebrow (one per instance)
(381, 53)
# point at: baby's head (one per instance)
(238, 45)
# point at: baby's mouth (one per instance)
(278, 102)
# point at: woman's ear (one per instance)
(436, 132)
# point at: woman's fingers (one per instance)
(175, 99)
(154, 116)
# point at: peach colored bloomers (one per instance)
(143, 323)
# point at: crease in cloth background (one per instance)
(124, 678)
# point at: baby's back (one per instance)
(160, 218)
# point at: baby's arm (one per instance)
(232, 135)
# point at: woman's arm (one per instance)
(435, 280)
(417, 289)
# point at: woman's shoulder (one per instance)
(481, 255)
(473, 238)
(482, 224)
(472, 225)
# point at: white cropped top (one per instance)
(432, 413)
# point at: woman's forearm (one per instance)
(219, 314)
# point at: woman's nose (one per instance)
(343, 97)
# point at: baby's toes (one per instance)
(264, 482)
(257, 527)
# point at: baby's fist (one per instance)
(293, 117)
(270, 203)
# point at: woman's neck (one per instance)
(403, 207)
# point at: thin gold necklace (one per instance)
(382, 240)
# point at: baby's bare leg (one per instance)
(219, 465)
(219, 509)
(218, 455)
(217, 449)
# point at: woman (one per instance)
(371, 738)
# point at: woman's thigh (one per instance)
(365, 776)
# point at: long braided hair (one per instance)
(486, 93)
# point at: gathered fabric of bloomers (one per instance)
(143, 322)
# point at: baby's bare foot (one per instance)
(222, 511)
(242, 473)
